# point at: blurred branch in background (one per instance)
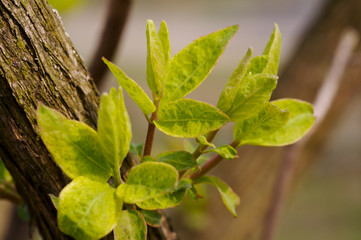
(116, 18)
(322, 104)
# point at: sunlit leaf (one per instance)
(189, 118)
(203, 141)
(147, 180)
(273, 50)
(164, 38)
(169, 199)
(181, 160)
(231, 88)
(300, 121)
(190, 66)
(87, 209)
(132, 88)
(130, 226)
(263, 124)
(54, 200)
(73, 145)
(226, 151)
(114, 129)
(156, 65)
(153, 218)
(252, 96)
(229, 198)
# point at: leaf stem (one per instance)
(199, 150)
(210, 164)
(116, 173)
(150, 133)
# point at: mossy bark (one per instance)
(38, 64)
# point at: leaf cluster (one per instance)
(98, 201)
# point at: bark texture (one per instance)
(38, 63)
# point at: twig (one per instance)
(10, 194)
(150, 132)
(116, 18)
(322, 104)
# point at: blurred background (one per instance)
(325, 200)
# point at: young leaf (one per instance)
(147, 180)
(226, 151)
(252, 96)
(190, 66)
(130, 226)
(152, 218)
(73, 145)
(168, 199)
(114, 129)
(229, 198)
(189, 118)
(230, 90)
(155, 60)
(203, 141)
(87, 209)
(263, 124)
(181, 160)
(300, 121)
(132, 88)
(273, 50)
(164, 38)
(4, 173)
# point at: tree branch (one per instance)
(118, 12)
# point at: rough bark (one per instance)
(38, 64)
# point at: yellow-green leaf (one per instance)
(229, 198)
(300, 122)
(189, 118)
(252, 96)
(87, 209)
(73, 145)
(153, 218)
(114, 129)
(230, 90)
(130, 226)
(190, 66)
(181, 160)
(132, 88)
(267, 121)
(226, 151)
(273, 50)
(147, 180)
(164, 38)
(156, 65)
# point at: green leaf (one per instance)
(263, 124)
(147, 180)
(273, 50)
(152, 218)
(252, 96)
(181, 160)
(149, 159)
(168, 199)
(54, 200)
(226, 151)
(190, 66)
(73, 145)
(258, 64)
(114, 129)
(164, 38)
(131, 226)
(87, 209)
(300, 121)
(230, 90)
(156, 64)
(189, 118)
(132, 88)
(229, 198)
(4, 173)
(203, 141)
